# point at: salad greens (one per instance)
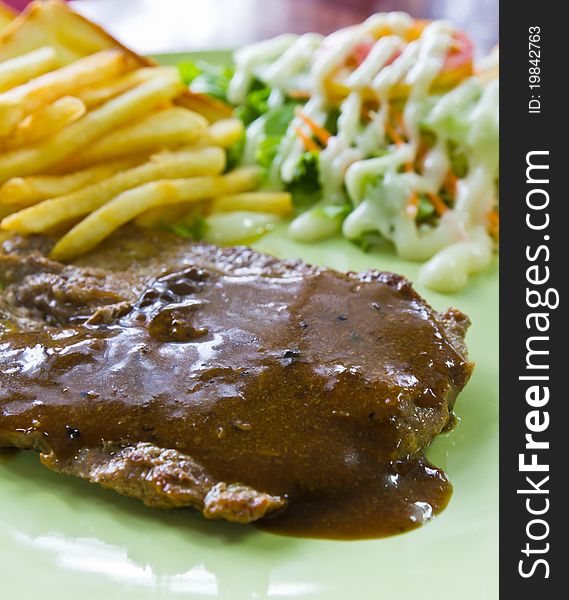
(205, 78)
(193, 229)
(275, 124)
(370, 140)
(305, 186)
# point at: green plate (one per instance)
(62, 538)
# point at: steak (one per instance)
(248, 387)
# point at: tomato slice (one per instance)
(461, 54)
(458, 65)
(359, 54)
(458, 57)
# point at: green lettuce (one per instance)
(206, 78)
(305, 185)
(193, 230)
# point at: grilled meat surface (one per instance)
(184, 374)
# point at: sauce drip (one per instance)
(381, 503)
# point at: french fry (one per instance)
(44, 122)
(54, 23)
(46, 215)
(128, 205)
(21, 192)
(92, 126)
(18, 70)
(211, 108)
(224, 133)
(279, 203)
(163, 215)
(170, 127)
(80, 115)
(4, 212)
(97, 94)
(22, 100)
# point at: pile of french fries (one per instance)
(93, 136)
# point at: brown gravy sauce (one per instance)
(381, 504)
(317, 388)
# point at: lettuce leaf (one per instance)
(305, 186)
(425, 209)
(276, 122)
(256, 104)
(235, 153)
(206, 78)
(194, 230)
(278, 119)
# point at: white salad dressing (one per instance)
(249, 57)
(289, 64)
(292, 149)
(449, 269)
(380, 54)
(335, 160)
(340, 44)
(378, 188)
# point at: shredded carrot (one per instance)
(320, 133)
(412, 207)
(420, 158)
(309, 143)
(399, 121)
(440, 207)
(494, 224)
(393, 134)
(299, 94)
(396, 137)
(451, 183)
